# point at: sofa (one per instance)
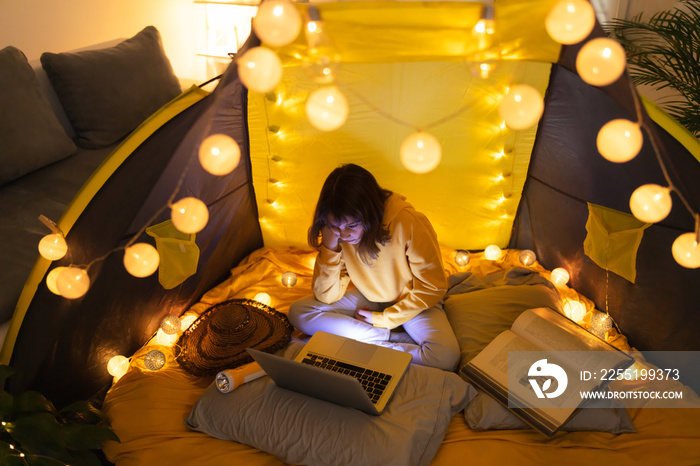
(60, 118)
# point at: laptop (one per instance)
(339, 370)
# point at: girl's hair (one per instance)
(351, 191)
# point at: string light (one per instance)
(51, 280)
(493, 252)
(323, 61)
(189, 215)
(289, 279)
(72, 282)
(486, 58)
(277, 22)
(219, 154)
(527, 257)
(164, 339)
(263, 298)
(462, 258)
(186, 321)
(686, 250)
(570, 21)
(601, 61)
(171, 324)
(619, 140)
(522, 107)
(53, 246)
(559, 277)
(651, 203)
(154, 360)
(260, 69)
(141, 260)
(601, 323)
(574, 310)
(327, 108)
(420, 152)
(117, 366)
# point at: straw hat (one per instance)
(218, 338)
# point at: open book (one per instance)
(540, 368)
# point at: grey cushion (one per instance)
(31, 136)
(108, 92)
(301, 430)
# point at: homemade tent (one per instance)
(405, 66)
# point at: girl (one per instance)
(373, 239)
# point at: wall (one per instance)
(37, 26)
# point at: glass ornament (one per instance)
(171, 324)
(154, 360)
(260, 69)
(289, 279)
(141, 259)
(570, 21)
(219, 154)
(651, 203)
(601, 61)
(51, 280)
(53, 247)
(527, 257)
(420, 152)
(493, 252)
(686, 250)
(574, 310)
(619, 140)
(559, 277)
(263, 298)
(601, 323)
(277, 22)
(327, 108)
(117, 366)
(522, 107)
(189, 215)
(462, 258)
(72, 282)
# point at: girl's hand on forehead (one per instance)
(330, 238)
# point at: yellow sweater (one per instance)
(408, 269)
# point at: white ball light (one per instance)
(619, 140)
(73, 282)
(186, 321)
(462, 258)
(574, 310)
(601, 323)
(141, 259)
(117, 366)
(51, 279)
(327, 108)
(651, 203)
(53, 247)
(601, 61)
(277, 22)
(171, 324)
(219, 154)
(260, 69)
(420, 152)
(527, 257)
(154, 360)
(559, 277)
(164, 339)
(189, 215)
(686, 250)
(522, 107)
(493, 252)
(289, 279)
(263, 298)
(570, 21)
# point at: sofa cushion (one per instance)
(31, 135)
(108, 92)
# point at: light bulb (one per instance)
(420, 152)
(323, 61)
(601, 323)
(154, 360)
(164, 339)
(574, 310)
(53, 247)
(527, 257)
(462, 258)
(686, 250)
(327, 108)
(189, 215)
(492, 252)
(117, 366)
(651, 203)
(570, 21)
(289, 279)
(141, 259)
(186, 321)
(73, 282)
(522, 107)
(277, 22)
(559, 277)
(601, 61)
(263, 298)
(219, 154)
(260, 69)
(171, 324)
(619, 140)
(51, 279)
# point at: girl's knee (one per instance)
(442, 356)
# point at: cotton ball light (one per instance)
(219, 154)
(141, 259)
(53, 246)
(171, 324)
(263, 298)
(492, 252)
(651, 203)
(327, 108)
(574, 310)
(164, 339)
(462, 258)
(154, 360)
(277, 22)
(601, 323)
(619, 140)
(117, 366)
(601, 61)
(420, 152)
(289, 279)
(570, 21)
(73, 282)
(187, 321)
(51, 279)
(559, 277)
(527, 257)
(686, 250)
(189, 215)
(260, 69)
(522, 107)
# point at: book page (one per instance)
(494, 358)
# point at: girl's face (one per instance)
(348, 229)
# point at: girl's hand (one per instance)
(364, 314)
(330, 239)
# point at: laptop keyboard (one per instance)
(373, 382)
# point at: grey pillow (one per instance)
(301, 430)
(30, 134)
(108, 92)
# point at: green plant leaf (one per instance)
(32, 402)
(86, 437)
(40, 434)
(6, 372)
(6, 405)
(82, 412)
